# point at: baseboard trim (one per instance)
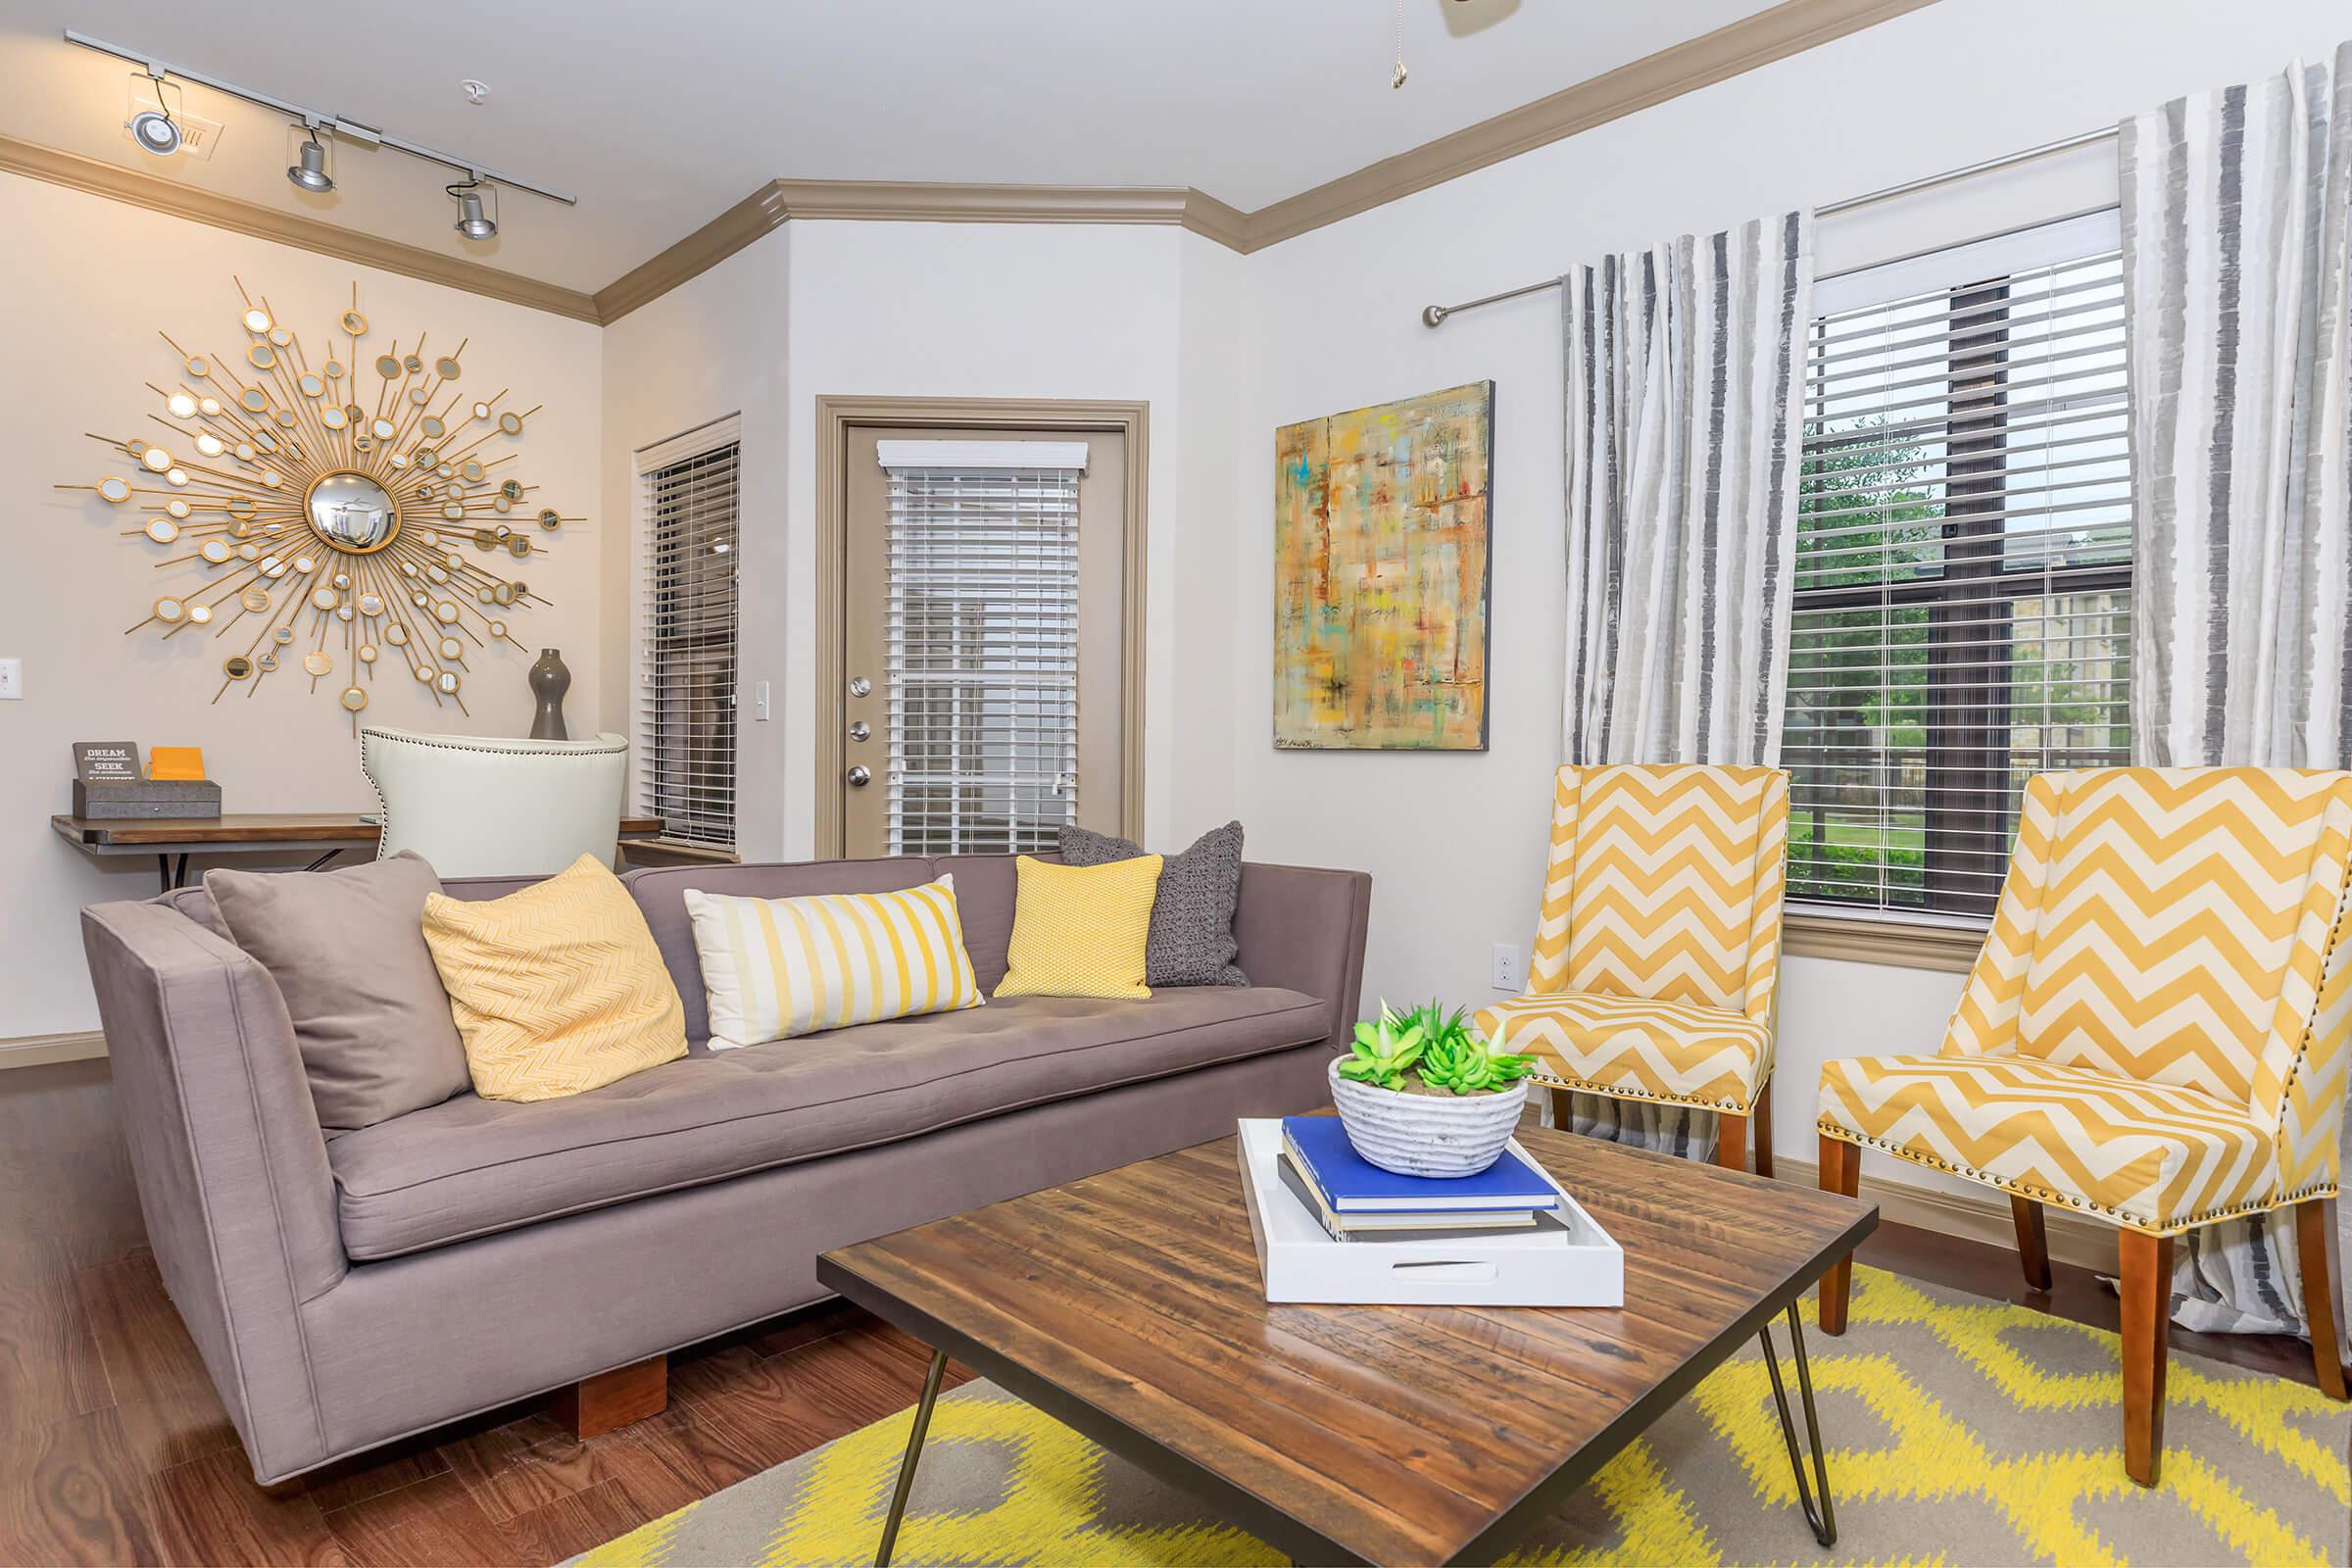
(2085, 1242)
(39, 1051)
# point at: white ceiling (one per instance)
(661, 114)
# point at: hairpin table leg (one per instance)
(1824, 1520)
(914, 1452)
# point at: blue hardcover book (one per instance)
(1352, 1184)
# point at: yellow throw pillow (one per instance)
(1079, 930)
(779, 968)
(557, 989)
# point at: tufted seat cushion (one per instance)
(468, 1167)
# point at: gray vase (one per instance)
(549, 680)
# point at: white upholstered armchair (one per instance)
(491, 806)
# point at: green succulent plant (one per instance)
(1438, 1047)
(1383, 1052)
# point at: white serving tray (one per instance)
(1577, 1265)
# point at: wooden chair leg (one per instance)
(1842, 1173)
(2321, 1253)
(2033, 1242)
(1763, 1128)
(1731, 1141)
(2146, 1288)
(594, 1406)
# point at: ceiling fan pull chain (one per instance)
(1397, 80)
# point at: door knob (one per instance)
(860, 776)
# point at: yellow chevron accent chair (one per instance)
(1659, 950)
(2155, 1034)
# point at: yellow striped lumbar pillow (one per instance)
(779, 968)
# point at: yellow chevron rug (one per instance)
(1960, 1431)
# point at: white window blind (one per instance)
(1961, 607)
(686, 680)
(981, 651)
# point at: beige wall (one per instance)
(86, 284)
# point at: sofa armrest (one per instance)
(1303, 929)
(231, 1165)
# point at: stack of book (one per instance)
(1355, 1200)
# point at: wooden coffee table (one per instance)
(1128, 1305)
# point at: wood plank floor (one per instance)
(115, 1450)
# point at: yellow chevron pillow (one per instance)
(555, 989)
(1079, 930)
(779, 968)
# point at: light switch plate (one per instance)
(760, 700)
(12, 678)
(1510, 967)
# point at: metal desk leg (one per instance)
(914, 1452)
(1825, 1519)
(323, 862)
(173, 877)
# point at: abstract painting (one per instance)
(1380, 575)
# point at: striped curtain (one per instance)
(1682, 372)
(1683, 367)
(2237, 257)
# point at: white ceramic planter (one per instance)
(1426, 1135)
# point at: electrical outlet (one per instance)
(1510, 967)
(12, 678)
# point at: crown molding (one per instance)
(1787, 28)
(151, 191)
(779, 201)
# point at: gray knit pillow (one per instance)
(1192, 916)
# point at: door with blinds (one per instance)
(983, 597)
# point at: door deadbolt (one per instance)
(860, 730)
(860, 776)
(860, 686)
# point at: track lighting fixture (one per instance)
(310, 171)
(154, 129)
(473, 221)
(159, 132)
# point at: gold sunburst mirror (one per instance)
(335, 507)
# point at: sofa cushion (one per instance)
(349, 956)
(473, 1166)
(660, 895)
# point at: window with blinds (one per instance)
(981, 653)
(1961, 607)
(686, 678)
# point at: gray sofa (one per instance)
(346, 1292)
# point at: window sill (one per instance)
(1813, 932)
(668, 852)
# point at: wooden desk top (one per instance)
(251, 828)
(1129, 1305)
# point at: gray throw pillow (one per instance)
(347, 951)
(1192, 941)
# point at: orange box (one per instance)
(175, 762)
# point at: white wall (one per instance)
(88, 283)
(1455, 842)
(700, 352)
(941, 310)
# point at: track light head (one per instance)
(310, 172)
(473, 220)
(154, 132)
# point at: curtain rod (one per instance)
(1435, 315)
